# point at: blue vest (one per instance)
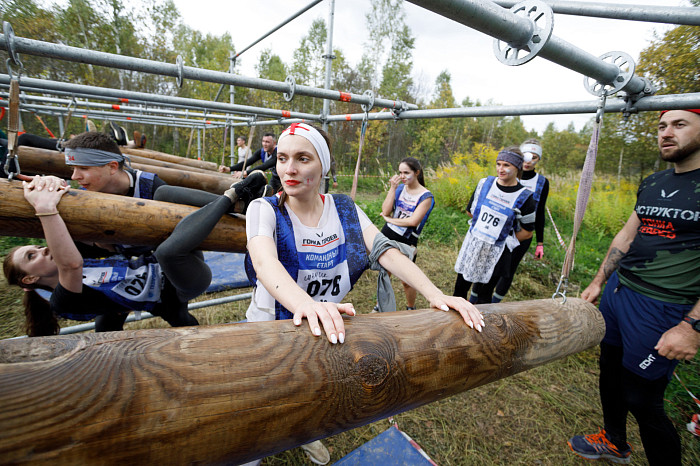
(415, 231)
(506, 211)
(145, 184)
(287, 250)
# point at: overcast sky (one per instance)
(441, 44)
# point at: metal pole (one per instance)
(329, 62)
(160, 99)
(231, 93)
(199, 144)
(654, 14)
(286, 21)
(487, 17)
(646, 104)
(180, 71)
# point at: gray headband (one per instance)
(512, 158)
(532, 148)
(92, 157)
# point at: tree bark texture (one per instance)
(109, 218)
(49, 162)
(152, 154)
(233, 393)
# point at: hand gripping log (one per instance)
(233, 393)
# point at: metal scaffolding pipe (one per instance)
(111, 60)
(123, 108)
(160, 99)
(651, 103)
(133, 118)
(279, 26)
(654, 14)
(487, 17)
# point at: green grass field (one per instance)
(524, 419)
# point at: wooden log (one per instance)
(49, 162)
(159, 163)
(152, 154)
(233, 393)
(99, 217)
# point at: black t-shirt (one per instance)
(663, 261)
(89, 302)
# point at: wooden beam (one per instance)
(160, 163)
(50, 162)
(233, 393)
(152, 154)
(99, 217)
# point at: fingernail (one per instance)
(297, 322)
(478, 327)
(353, 312)
(317, 331)
(445, 308)
(470, 324)
(334, 339)
(341, 337)
(482, 323)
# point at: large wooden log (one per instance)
(159, 163)
(99, 217)
(49, 162)
(152, 154)
(239, 392)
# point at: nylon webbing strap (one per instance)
(584, 191)
(12, 129)
(353, 191)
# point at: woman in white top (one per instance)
(244, 151)
(303, 246)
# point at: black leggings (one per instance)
(481, 292)
(504, 282)
(181, 262)
(622, 392)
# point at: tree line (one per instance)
(155, 30)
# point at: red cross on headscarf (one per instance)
(294, 126)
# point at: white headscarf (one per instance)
(313, 136)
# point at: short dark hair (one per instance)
(94, 140)
(245, 139)
(272, 135)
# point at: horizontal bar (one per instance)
(100, 91)
(111, 60)
(688, 16)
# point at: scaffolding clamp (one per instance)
(625, 64)
(291, 82)
(631, 99)
(180, 62)
(370, 104)
(398, 108)
(9, 34)
(541, 18)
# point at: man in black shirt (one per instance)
(267, 155)
(651, 302)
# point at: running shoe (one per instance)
(598, 447)
(317, 452)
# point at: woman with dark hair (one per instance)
(107, 289)
(503, 212)
(405, 210)
(306, 250)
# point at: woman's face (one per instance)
(528, 166)
(298, 165)
(406, 173)
(36, 262)
(506, 171)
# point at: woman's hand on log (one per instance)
(468, 311)
(328, 314)
(44, 192)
